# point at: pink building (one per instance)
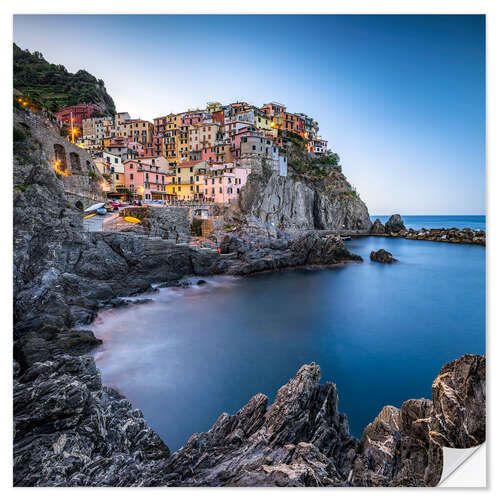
(224, 182)
(192, 118)
(146, 178)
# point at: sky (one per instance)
(401, 99)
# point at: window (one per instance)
(179, 188)
(254, 148)
(220, 190)
(131, 177)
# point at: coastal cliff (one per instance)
(314, 195)
(69, 430)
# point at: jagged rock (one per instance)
(394, 224)
(377, 227)
(382, 256)
(70, 431)
(300, 440)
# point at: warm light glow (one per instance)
(58, 170)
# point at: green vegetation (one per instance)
(52, 86)
(20, 189)
(92, 174)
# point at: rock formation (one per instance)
(377, 227)
(303, 440)
(382, 256)
(394, 224)
(311, 196)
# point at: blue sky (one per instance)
(400, 98)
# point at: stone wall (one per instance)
(79, 175)
(163, 222)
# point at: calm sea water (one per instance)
(380, 332)
(438, 221)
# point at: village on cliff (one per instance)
(197, 155)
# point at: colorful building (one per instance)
(77, 113)
(146, 178)
(224, 182)
(186, 178)
(139, 130)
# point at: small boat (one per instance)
(131, 219)
(89, 216)
(94, 207)
(346, 238)
(101, 211)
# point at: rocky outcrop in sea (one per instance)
(382, 256)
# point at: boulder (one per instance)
(377, 227)
(382, 256)
(394, 224)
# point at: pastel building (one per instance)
(186, 178)
(224, 182)
(146, 179)
(139, 130)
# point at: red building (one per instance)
(79, 112)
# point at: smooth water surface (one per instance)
(380, 332)
(438, 221)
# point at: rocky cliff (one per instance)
(314, 195)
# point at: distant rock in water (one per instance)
(377, 227)
(382, 256)
(394, 224)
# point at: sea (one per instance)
(380, 332)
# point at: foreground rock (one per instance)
(382, 256)
(69, 430)
(303, 440)
(403, 447)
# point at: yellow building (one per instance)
(185, 179)
(263, 122)
(214, 106)
(139, 131)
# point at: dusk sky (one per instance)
(401, 99)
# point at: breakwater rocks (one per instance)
(465, 236)
(395, 228)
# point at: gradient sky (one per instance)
(401, 99)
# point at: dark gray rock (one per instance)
(382, 256)
(394, 224)
(377, 227)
